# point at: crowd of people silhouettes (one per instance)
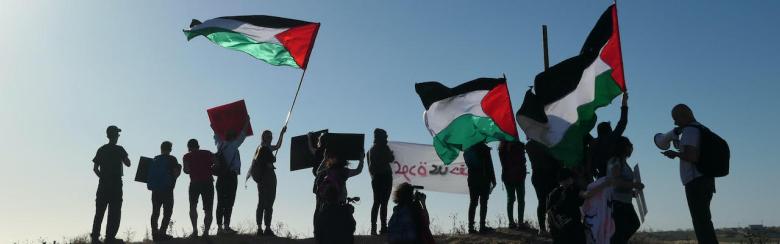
(561, 191)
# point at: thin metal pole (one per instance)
(287, 120)
(289, 112)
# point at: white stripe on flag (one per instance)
(441, 113)
(257, 33)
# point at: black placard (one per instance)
(143, 169)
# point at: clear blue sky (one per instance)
(68, 69)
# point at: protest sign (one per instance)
(229, 117)
(418, 164)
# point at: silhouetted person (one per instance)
(564, 203)
(162, 179)
(626, 220)
(513, 172)
(604, 144)
(544, 169)
(410, 222)
(227, 181)
(198, 164)
(698, 187)
(334, 222)
(108, 167)
(379, 159)
(481, 181)
(263, 172)
(318, 150)
(335, 169)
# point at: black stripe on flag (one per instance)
(562, 78)
(531, 108)
(432, 91)
(268, 21)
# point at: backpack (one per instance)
(264, 157)
(159, 175)
(332, 180)
(401, 228)
(220, 168)
(714, 153)
(556, 220)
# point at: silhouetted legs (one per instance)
(515, 192)
(699, 194)
(206, 191)
(108, 196)
(226, 196)
(478, 196)
(164, 199)
(266, 190)
(382, 187)
(626, 222)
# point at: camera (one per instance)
(418, 196)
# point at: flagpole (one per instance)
(286, 120)
(544, 46)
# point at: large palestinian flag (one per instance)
(563, 108)
(275, 40)
(473, 112)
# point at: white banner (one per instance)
(419, 165)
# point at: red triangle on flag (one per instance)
(299, 42)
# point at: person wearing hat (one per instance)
(108, 167)
(379, 159)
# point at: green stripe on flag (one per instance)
(464, 132)
(271, 53)
(569, 149)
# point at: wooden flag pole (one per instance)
(544, 45)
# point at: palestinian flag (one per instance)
(473, 112)
(275, 40)
(563, 108)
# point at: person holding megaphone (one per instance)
(699, 187)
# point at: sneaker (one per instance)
(512, 225)
(95, 240)
(220, 231)
(373, 230)
(472, 230)
(165, 237)
(485, 230)
(194, 235)
(523, 226)
(383, 230)
(114, 241)
(229, 231)
(269, 232)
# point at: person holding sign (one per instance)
(227, 168)
(108, 167)
(626, 220)
(263, 173)
(161, 181)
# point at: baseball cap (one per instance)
(112, 130)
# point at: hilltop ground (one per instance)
(727, 235)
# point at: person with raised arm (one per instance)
(228, 168)
(263, 172)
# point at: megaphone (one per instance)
(663, 141)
